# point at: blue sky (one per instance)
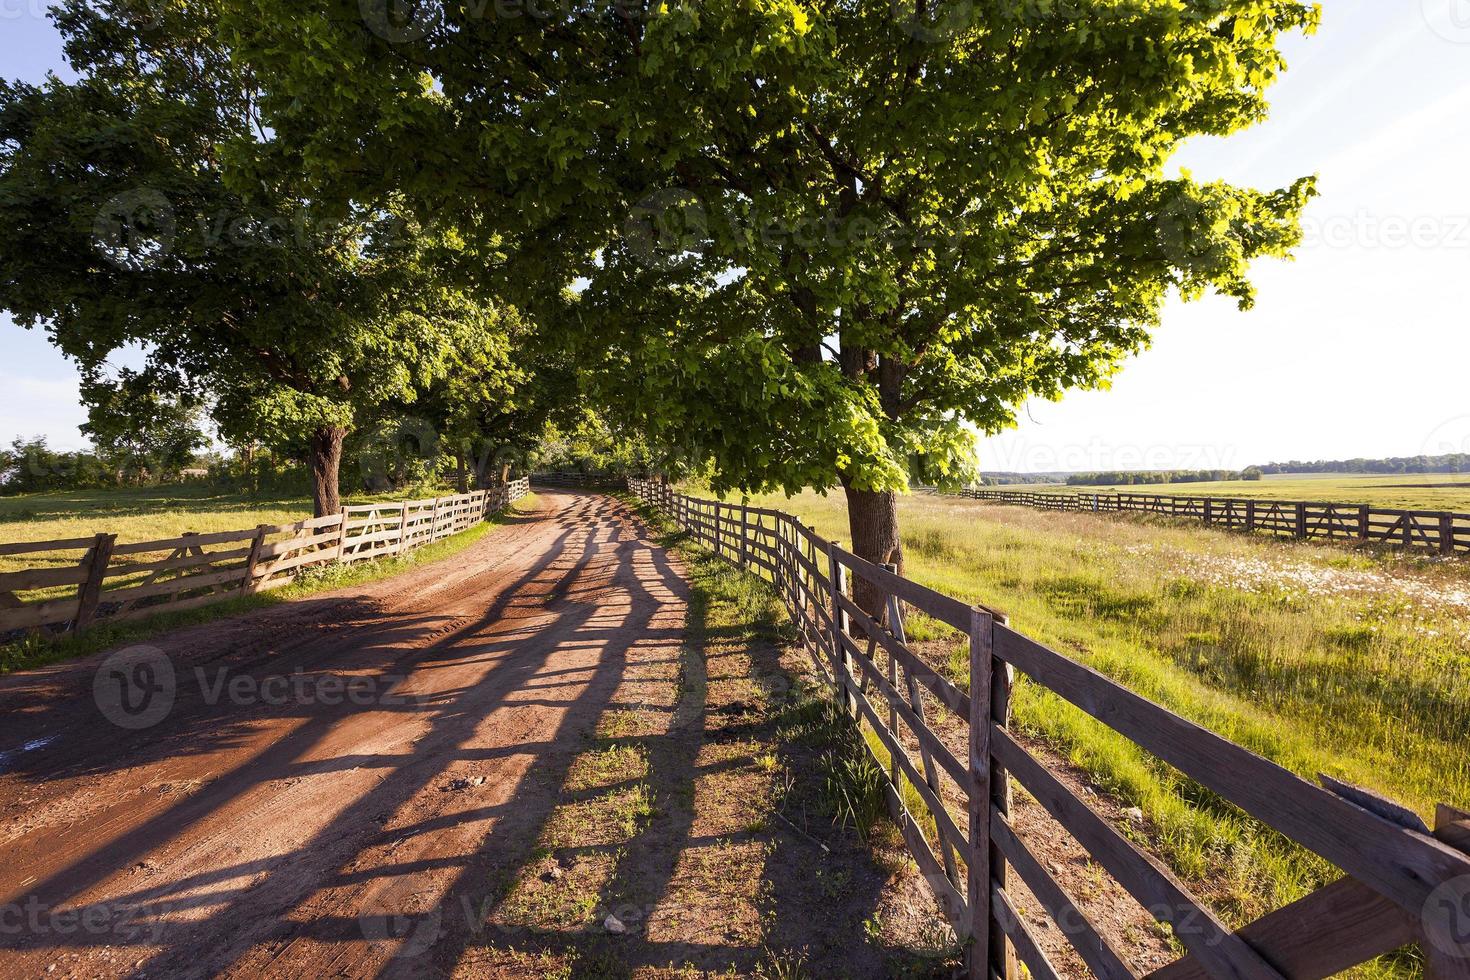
(1358, 347)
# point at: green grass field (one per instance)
(1411, 491)
(155, 513)
(1318, 657)
(148, 513)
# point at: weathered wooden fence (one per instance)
(1443, 532)
(1402, 883)
(599, 481)
(115, 582)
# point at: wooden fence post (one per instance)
(1250, 515)
(744, 531)
(1301, 519)
(990, 705)
(837, 580)
(342, 534)
(89, 597)
(1446, 534)
(434, 523)
(977, 862)
(251, 563)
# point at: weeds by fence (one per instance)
(1403, 884)
(116, 581)
(1442, 532)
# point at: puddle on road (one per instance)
(10, 755)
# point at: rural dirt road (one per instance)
(336, 779)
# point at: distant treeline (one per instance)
(1448, 463)
(1125, 478)
(1019, 479)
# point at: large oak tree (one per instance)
(138, 206)
(817, 236)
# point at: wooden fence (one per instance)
(594, 481)
(1443, 532)
(116, 582)
(1402, 885)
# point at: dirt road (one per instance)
(331, 782)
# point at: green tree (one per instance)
(139, 432)
(818, 238)
(139, 206)
(31, 466)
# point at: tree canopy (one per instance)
(815, 238)
(141, 208)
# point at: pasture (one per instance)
(146, 513)
(1408, 491)
(150, 514)
(1323, 659)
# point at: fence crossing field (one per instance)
(1400, 883)
(1441, 532)
(71, 584)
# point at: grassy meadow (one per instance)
(148, 513)
(1321, 658)
(164, 512)
(1401, 491)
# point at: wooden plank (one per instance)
(178, 605)
(1320, 935)
(1156, 889)
(1401, 864)
(1021, 935)
(289, 545)
(91, 590)
(252, 562)
(183, 541)
(899, 757)
(176, 563)
(916, 705)
(36, 614)
(945, 692)
(60, 544)
(936, 604)
(950, 902)
(183, 583)
(42, 578)
(977, 791)
(925, 736)
(1071, 921)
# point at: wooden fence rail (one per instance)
(1443, 532)
(1402, 883)
(119, 582)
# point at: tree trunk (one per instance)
(872, 517)
(326, 461)
(461, 474)
(504, 474)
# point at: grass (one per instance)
(36, 651)
(1406, 491)
(149, 513)
(1323, 659)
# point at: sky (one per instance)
(1358, 347)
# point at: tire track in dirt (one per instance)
(291, 837)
